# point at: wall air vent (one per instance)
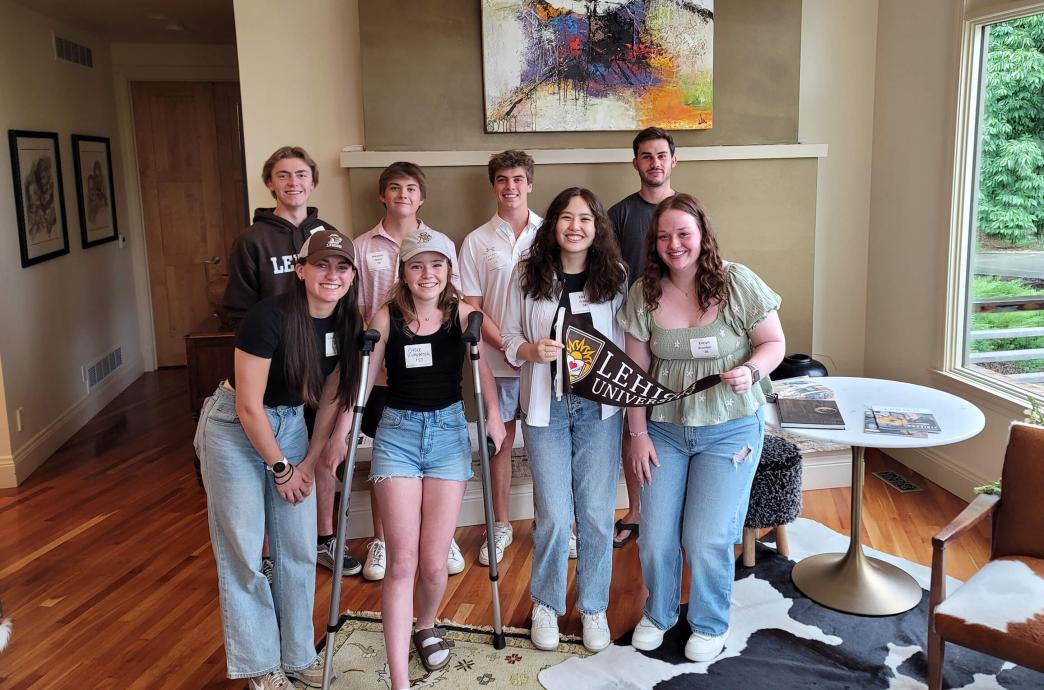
(70, 51)
(98, 370)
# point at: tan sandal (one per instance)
(425, 652)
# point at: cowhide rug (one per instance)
(780, 640)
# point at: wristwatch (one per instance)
(755, 375)
(279, 468)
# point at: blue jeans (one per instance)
(575, 461)
(697, 500)
(265, 627)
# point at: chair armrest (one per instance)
(975, 512)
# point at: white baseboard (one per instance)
(827, 470)
(24, 460)
(930, 463)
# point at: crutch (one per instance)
(472, 336)
(344, 473)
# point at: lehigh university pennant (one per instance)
(601, 371)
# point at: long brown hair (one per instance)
(400, 298)
(301, 365)
(711, 282)
(541, 274)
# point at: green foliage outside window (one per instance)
(1011, 177)
(985, 287)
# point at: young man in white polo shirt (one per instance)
(402, 189)
(487, 257)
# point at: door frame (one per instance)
(134, 229)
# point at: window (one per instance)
(997, 276)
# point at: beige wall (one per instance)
(914, 115)
(300, 85)
(422, 79)
(838, 53)
(64, 313)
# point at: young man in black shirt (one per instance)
(654, 160)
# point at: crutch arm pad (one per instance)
(369, 339)
(474, 330)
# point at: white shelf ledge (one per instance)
(351, 158)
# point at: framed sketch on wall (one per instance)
(567, 65)
(95, 191)
(36, 168)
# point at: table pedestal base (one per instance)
(855, 583)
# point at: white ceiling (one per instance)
(144, 21)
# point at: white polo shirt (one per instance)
(487, 257)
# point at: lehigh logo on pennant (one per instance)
(582, 349)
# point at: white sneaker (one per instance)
(503, 535)
(276, 680)
(596, 631)
(544, 632)
(647, 636)
(455, 561)
(572, 546)
(374, 568)
(704, 647)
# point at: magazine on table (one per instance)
(797, 413)
(891, 418)
(801, 388)
(870, 427)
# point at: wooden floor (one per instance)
(106, 567)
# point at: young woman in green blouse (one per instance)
(693, 314)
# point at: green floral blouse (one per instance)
(749, 301)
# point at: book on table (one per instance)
(870, 427)
(797, 413)
(803, 388)
(892, 419)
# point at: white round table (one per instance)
(851, 581)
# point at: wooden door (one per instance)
(178, 130)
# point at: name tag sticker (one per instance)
(578, 303)
(418, 356)
(704, 348)
(494, 260)
(377, 261)
(331, 345)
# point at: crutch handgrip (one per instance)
(491, 448)
(369, 339)
(474, 329)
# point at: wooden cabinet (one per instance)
(208, 349)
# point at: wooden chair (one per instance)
(999, 610)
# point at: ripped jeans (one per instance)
(697, 500)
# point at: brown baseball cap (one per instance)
(323, 243)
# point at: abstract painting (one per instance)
(95, 194)
(36, 168)
(587, 65)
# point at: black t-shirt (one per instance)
(574, 284)
(263, 333)
(424, 371)
(631, 217)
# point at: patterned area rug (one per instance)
(781, 640)
(360, 662)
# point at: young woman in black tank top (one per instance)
(422, 453)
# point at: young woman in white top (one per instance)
(573, 443)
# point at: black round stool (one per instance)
(775, 495)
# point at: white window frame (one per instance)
(978, 14)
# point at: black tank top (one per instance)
(424, 371)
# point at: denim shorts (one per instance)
(432, 445)
(507, 397)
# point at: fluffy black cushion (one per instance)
(775, 496)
